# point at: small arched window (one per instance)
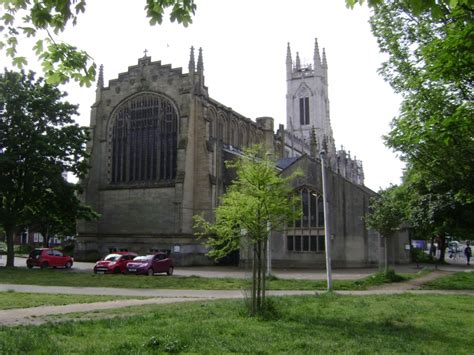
(144, 140)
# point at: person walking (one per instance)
(468, 253)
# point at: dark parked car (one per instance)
(114, 263)
(151, 264)
(46, 257)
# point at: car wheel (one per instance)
(150, 272)
(170, 271)
(117, 271)
(68, 265)
(44, 265)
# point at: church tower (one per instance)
(307, 100)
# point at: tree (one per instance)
(45, 19)
(38, 142)
(416, 7)
(57, 209)
(257, 198)
(387, 213)
(431, 63)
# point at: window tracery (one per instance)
(144, 140)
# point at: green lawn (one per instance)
(60, 277)
(11, 300)
(457, 281)
(405, 324)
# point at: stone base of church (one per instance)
(184, 249)
(314, 264)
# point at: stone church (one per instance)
(157, 151)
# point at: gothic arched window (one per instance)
(144, 140)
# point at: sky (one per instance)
(244, 46)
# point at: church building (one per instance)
(157, 151)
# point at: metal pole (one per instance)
(326, 221)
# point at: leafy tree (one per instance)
(258, 197)
(431, 63)
(46, 19)
(387, 213)
(416, 7)
(55, 212)
(38, 142)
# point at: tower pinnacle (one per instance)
(200, 65)
(191, 65)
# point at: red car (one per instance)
(114, 263)
(151, 264)
(46, 257)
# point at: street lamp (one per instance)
(322, 155)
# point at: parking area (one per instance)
(457, 264)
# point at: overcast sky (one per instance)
(244, 48)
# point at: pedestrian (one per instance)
(468, 253)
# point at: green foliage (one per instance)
(435, 8)
(39, 141)
(419, 256)
(258, 200)
(431, 63)
(387, 211)
(3, 248)
(257, 197)
(24, 249)
(45, 19)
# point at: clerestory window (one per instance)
(144, 140)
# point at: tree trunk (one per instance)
(10, 246)
(442, 246)
(264, 270)
(259, 275)
(386, 254)
(254, 280)
(45, 233)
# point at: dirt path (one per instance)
(38, 315)
(412, 284)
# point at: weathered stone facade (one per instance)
(158, 146)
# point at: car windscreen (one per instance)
(143, 258)
(112, 257)
(35, 252)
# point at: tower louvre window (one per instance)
(304, 110)
(144, 140)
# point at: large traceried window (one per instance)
(144, 140)
(307, 233)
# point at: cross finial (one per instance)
(145, 52)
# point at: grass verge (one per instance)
(318, 324)
(13, 300)
(60, 277)
(456, 281)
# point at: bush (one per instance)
(419, 256)
(3, 248)
(23, 249)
